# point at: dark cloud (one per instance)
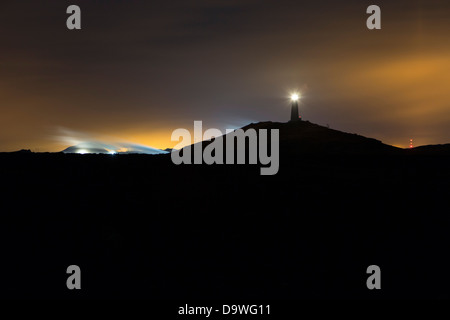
(139, 69)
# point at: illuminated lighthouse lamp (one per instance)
(295, 97)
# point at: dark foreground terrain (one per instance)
(142, 227)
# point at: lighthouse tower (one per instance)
(294, 107)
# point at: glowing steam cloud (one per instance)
(83, 143)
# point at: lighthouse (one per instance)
(294, 107)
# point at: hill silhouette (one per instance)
(141, 227)
(437, 149)
(301, 137)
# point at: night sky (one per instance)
(140, 69)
